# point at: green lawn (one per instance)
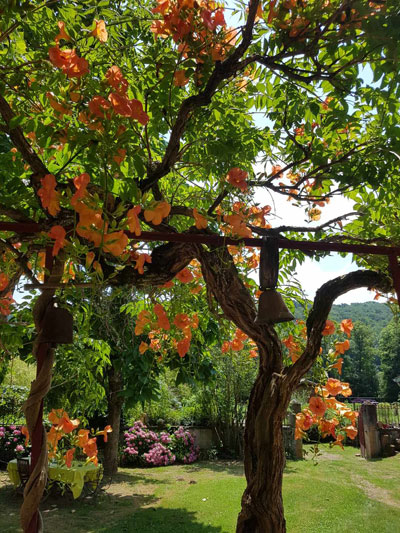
(343, 494)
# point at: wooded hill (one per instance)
(375, 315)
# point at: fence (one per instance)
(387, 413)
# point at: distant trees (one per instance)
(359, 362)
(389, 348)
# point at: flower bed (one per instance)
(146, 447)
(12, 443)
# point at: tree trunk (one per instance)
(264, 456)
(114, 404)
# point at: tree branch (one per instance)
(17, 136)
(323, 301)
(21, 260)
(15, 214)
(301, 229)
(222, 70)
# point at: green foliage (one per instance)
(11, 399)
(359, 366)
(374, 315)
(221, 403)
(389, 347)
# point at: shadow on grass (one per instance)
(134, 478)
(233, 468)
(290, 468)
(105, 510)
(160, 520)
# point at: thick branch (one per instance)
(167, 261)
(323, 301)
(14, 214)
(17, 136)
(222, 70)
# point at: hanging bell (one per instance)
(57, 326)
(272, 309)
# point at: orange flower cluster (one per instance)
(7, 300)
(198, 27)
(125, 107)
(58, 234)
(133, 220)
(100, 108)
(346, 327)
(183, 322)
(4, 281)
(200, 220)
(49, 197)
(293, 347)
(236, 344)
(340, 416)
(68, 60)
(237, 177)
(184, 276)
(162, 318)
(157, 212)
(55, 104)
(5, 304)
(91, 225)
(100, 31)
(329, 329)
(143, 318)
(62, 425)
(140, 260)
(238, 227)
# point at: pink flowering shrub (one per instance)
(182, 444)
(159, 455)
(138, 442)
(12, 443)
(146, 447)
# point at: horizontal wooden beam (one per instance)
(216, 240)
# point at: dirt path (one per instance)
(375, 493)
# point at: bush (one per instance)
(146, 447)
(159, 455)
(11, 399)
(182, 444)
(12, 443)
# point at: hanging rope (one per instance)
(44, 353)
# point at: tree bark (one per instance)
(264, 456)
(114, 404)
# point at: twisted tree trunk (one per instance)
(264, 458)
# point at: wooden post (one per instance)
(370, 442)
(298, 443)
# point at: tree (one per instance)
(359, 362)
(119, 115)
(389, 347)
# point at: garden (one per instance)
(171, 172)
(204, 497)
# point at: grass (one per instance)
(343, 493)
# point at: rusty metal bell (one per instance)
(57, 326)
(272, 309)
